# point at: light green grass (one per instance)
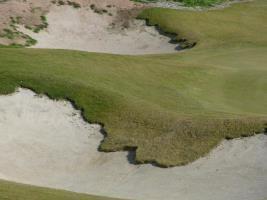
(173, 108)
(15, 191)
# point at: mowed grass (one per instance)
(15, 191)
(172, 109)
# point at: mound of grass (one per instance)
(171, 109)
(15, 191)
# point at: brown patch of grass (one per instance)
(181, 142)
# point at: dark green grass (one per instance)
(193, 3)
(172, 108)
(15, 191)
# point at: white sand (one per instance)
(82, 29)
(46, 143)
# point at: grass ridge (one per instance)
(17, 191)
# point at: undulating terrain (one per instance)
(168, 93)
(55, 148)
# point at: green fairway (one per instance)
(15, 191)
(171, 108)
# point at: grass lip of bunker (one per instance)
(50, 137)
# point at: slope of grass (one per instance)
(15, 191)
(172, 108)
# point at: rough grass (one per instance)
(172, 109)
(15, 191)
(203, 3)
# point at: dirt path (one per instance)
(46, 143)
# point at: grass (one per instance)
(13, 34)
(70, 3)
(203, 3)
(15, 191)
(171, 109)
(43, 25)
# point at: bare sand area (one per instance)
(47, 143)
(84, 29)
(106, 26)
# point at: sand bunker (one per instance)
(46, 143)
(84, 29)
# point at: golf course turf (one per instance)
(172, 109)
(16, 191)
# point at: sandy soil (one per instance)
(24, 12)
(46, 143)
(83, 29)
(106, 26)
